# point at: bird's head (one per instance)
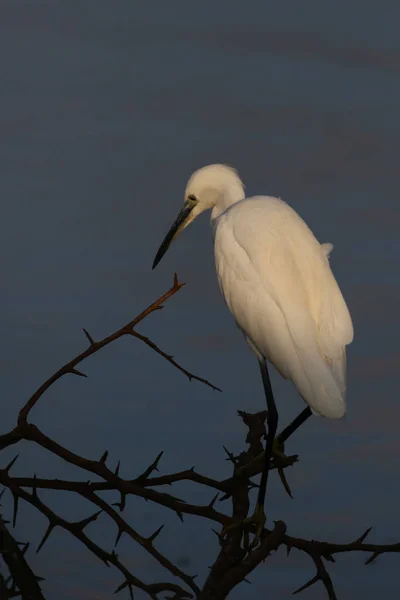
(214, 185)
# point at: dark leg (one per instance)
(272, 421)
(295, 424)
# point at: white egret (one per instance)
(278, 284)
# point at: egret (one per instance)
(277, 282)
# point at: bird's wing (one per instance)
(294, 267)
(280, 268)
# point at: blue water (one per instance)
(106, 109)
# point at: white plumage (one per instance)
(278, 284)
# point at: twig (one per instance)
(22, 575)
(128, 329)
(235, 558)
(77, 530)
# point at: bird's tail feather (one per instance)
(319, 387)
(321, 383)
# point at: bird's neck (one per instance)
(226, 198)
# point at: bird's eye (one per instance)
(192, 198)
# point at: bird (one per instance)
(277, 282)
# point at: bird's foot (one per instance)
(258, 519)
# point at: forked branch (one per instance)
(128, 329)
(234, 561)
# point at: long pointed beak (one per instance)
(173, 232)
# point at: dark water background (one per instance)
(106, 109)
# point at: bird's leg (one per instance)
(258, 517)
(272, 422)
(280, 440)
(274, 446)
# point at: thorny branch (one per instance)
(18, 567)
(235, 560)
(128, 329)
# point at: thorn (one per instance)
(123, 585)
(193, 577)
(181, 500)
(284, 481)
(155, 463)
(39, 578)
(116, 472)
(180, 515)
(328, 557)
(251, 484)
(363, 536)
(213, 500)
(82, 524)
(79, 373)
(8, 467)
(121, 504)
(308, 584)
(288, 550)
(216, 533)
(2, 492)
(372, 558)
(120, 532)
(24, 546)
(114, 555)
(45, 537)
(155, 534)
(191, 469)
(104, 457)
(15, 509)
(150, 469)
(230, 456)
(246, 580)
(225, 497)
(89, 337)
(177, 285)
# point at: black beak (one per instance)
(173, 232)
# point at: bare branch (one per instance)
(321, 575)
(23, 577)
(153, 467)
(76, 529)
(170, 359)
(235, 557)
(94, 347)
